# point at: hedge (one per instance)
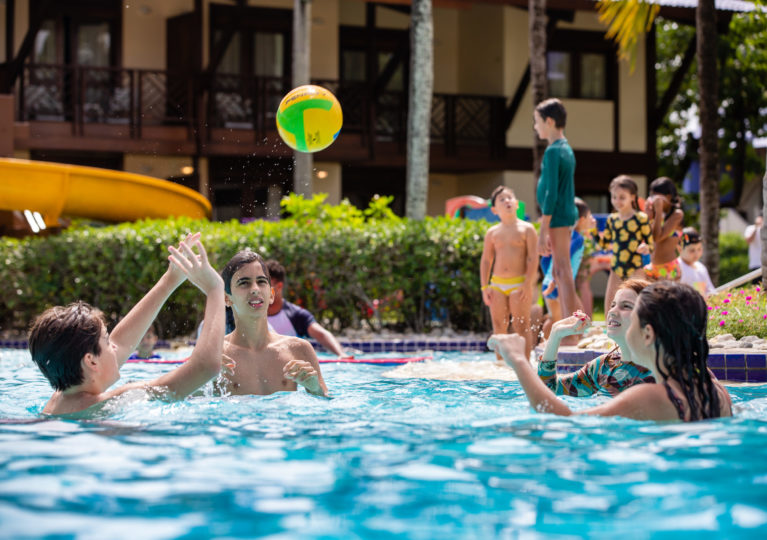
(349, 268)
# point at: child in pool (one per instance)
(665, 213)
(510, 253)
(667, 335)
(627, 234)
(262, 361)
(608, 374)
(693, 271)
(81, 360)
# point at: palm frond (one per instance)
(626, 21)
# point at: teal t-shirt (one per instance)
(556, 186)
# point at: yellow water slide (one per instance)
(55, 189)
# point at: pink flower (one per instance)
(740, 320)
(721, 323)
(725, 312)
(748, 298)
(729, 294)
(710, 308)
(726, 300)
(758, 289)
(764, 316)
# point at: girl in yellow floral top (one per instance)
(628, 235)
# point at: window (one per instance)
(581, 65)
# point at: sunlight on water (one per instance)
(395, 453)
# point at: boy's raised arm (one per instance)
(205, 361)
(129, 331)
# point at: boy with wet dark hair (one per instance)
(71, 345)
(262, 362)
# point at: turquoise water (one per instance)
(386, 458)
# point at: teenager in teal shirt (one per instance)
(556, 197)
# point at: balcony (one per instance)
(88, 108)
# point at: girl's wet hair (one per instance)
(678, 316)
(635, 284)
(665, 186)
(627, 183)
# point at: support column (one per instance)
(303, 162)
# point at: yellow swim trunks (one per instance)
(505, 285)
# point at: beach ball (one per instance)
(309, 118)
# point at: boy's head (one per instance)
(59, 339)
(552, 108)
(503, 199)
(692, 246)
(277, 275)
(242, 258)
(585, 220)
(276, 271)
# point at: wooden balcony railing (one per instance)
(137, 98)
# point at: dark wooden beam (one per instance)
(524, 82)
(220, 46)
(651, 93)
(12, 69)
(10, 15)
(397, 59)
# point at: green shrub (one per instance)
(349, 267)
(733, 257)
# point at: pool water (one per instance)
(385, 458)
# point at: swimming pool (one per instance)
(385, 458)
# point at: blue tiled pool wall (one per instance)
(735, 366)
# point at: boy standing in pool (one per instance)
(263, 361)
(556, 197)
(72, 348)
(509, 267)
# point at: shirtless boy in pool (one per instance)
(511, 253)
(72, 348)
(261, 361)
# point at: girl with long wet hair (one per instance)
(667, 335)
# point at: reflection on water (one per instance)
(409, 456)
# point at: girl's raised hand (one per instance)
(577, 323)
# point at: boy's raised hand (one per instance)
(195, 267)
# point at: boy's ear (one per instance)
(88, 363)
(227, 300)
(271, 295)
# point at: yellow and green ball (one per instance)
(309, 118)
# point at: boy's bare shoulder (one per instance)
(526, 226)
(290, 344)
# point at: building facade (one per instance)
(188, 90)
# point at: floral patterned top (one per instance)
(606, 375)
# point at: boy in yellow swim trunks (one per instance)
(508, 268)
